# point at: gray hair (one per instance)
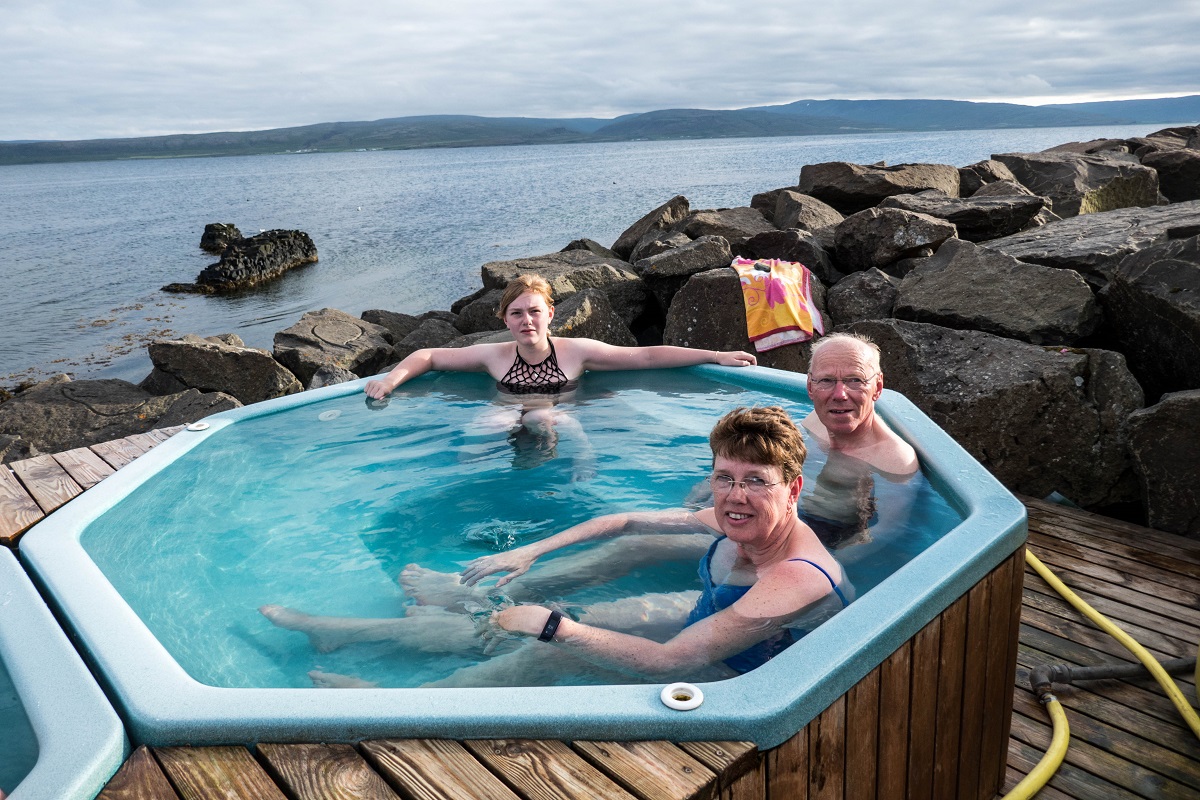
(861, 341)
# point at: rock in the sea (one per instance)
(1005, 188)
(969, 287)
(977, 218)
(869, 294)
(336, 338)
(330, 375)
(974, 177)
(589, 315)
(213, 365)
(851, 188)
(656, 242)
(794, 245)
(1094, 244)
(666, 273)
(14, 448)
(480, 313)
(252, 261)
(709, 313)
(767, 201)
(398, 325)
(573, 271)
(1163, 445)
(1041, 419)
(592, 247)
(661, 218)
(58, 414)
(1178, 173)
(796, 210)
(734, 225)
(430, 333)
(880, 236)
(1152, 309)
(1078, 183)
(217, 236)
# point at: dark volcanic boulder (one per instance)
(592, 247)
(336, 338)
(330, 375)
(589, 315)
(666, 273)
(216, 365)
(480, 313)
(430, 333)
(398, 325)
(976, 219)
(249, 262)
(1152, 308)
(61, 414)
(1094, 244)
(734, 225)
(879, 236)
(217, 236)
(1163, 445)
(1006, 188)
(870, 294)
(573, 271)
(796, 210)
(661, 218)
(854, 187)
(766, 202)
(974, 177)
(709, 313)
(794, 245)
(1077, 183)
(966, 286)
(1041, 419)
(1178, 173)
(14, 448)
(657, 242)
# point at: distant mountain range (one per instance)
(802, 118)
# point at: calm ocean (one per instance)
(84, 248)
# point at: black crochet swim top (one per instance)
(544, 377)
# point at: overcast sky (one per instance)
(104, 68)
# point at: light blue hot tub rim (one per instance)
(162, 705)
(81, 742)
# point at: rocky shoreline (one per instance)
(1043, 308)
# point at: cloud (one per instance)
(127, 68)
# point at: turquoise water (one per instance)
(320, 507)
(18, 743)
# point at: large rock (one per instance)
(1006, 188)
(1152, 308)
(666, 273)
(591, 246)
(217, 236)
(794, 245)
(60, 414)
(796, 210)
(966, 286)
(974, 177)
(735, 225)
(661, 218)
(1040, 419)
(574, 271)
(14, 448)
(330, 375)
(336, 338)
(709, 313)
(398, 325)
(249, 262)
(766, 202)
(1078, 183)
(656, 242)
(1163, 445)
(480, 313)
(880, 236)
(976, 219)
(430, 333)
(851, 188)
(589, 315)
(1178, 173)
(214, 365)
(870, 294)
(1094, 244)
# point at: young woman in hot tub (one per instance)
(534, 371)
(766, 581)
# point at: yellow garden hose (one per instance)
(1045, 769)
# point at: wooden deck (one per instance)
(1127, 739)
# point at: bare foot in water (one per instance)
(429, 587)
(324, 633)
(332, 680)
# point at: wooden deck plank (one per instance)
(1177, 558)
(729, 760)
(139, 778)
(118, 452)
(892, 765)
(923, 710)
(434, 769)
(998, 678)
(826, 746)
(229, 773)
(1105, 566)
(787, 767)
(862, 737)
(970, 737)
(544, 769)
(324, 772)
(951, 657)
(46, 481)
(1108, 528)
(85, 467)
(18, 511)
(651, 770)
(1085, 584)
(1069, 779)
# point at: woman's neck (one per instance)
(535, 353)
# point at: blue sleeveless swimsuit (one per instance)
(717, 597)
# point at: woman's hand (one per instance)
(377, 390)
(515, 562)
(735, 358)
(525, 620)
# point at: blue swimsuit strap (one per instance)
(845, 603)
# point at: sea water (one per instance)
(321, 506)
(87, 246)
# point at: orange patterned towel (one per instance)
(779, 306)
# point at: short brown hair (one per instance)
(523, 284)
(760, 435)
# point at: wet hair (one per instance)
(760, 435)
(863, 342)
(523, 284)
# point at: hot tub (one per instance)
(163, 704)
(60, 737)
